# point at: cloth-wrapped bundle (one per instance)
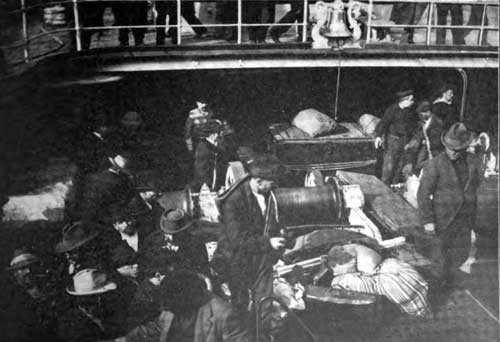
(313, 122)
(394, 279)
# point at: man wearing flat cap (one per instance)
(447, 199)
(426, 142)
(443, 106)
(397, 126)
(244, 255)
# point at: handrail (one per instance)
(78, 28)
(258, 320)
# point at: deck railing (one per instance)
(31, 16)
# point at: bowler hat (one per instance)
(458, 137)
(265, 166)
(423, 106)
(131, 118)
(90, 282)
(75, 235)
(22, 259)
(174, 221)
(404, 92)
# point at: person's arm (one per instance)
(427, 189)
(188, 131)
(382, 126)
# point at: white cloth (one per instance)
(262, 202)
(132, 240)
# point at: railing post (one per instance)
(481, 30)
(429, 23)
(239, 21)
(369, 29)
(25, 31)
(179, 22)
(78, 32)
(305, 21)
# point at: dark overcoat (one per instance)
(444, 201)
(244, 254)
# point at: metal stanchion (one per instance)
(25, 32)
(78, 32)
(179, 22)
(240, 10)
(369, 28)
(481, 30)
(304, 19)
(429, 23)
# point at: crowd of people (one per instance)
(259, 15)
(125, 269)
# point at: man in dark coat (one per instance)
(426, 142)
(245, 255)
(407, 13)
(443, 106)
(456, 12)
(28, 304)
(175, 245)
(210, 162)
(103, 190)
(397, 127)
(91, 156)
(447, 199)
(190, 313)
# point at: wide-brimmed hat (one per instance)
(458, 137)
(423, 106)
(75, 235)
(265, 166)
(131, 118)
(90, 282)
(21, 259)
(174, 221)
(404, 92)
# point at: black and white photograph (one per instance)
(249, 171)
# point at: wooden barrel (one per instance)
(300, 206)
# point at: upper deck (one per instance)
(35, 31)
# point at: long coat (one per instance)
(209, 161)
(244, 254)
(215, 322)
(103, 190)
(452, 207)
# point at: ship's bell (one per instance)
(335, 25)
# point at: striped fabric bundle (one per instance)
(394, 279)
(403, 286)
(355, 282)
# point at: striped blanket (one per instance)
(394, 279)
